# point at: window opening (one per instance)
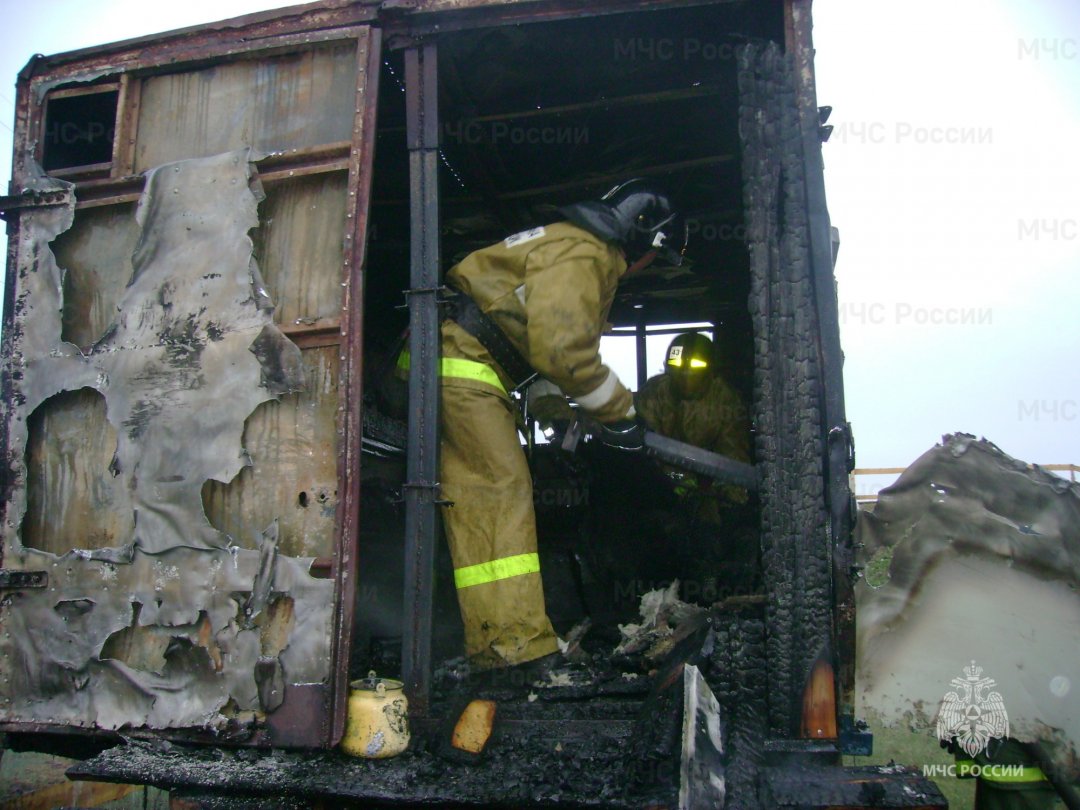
(80, 127)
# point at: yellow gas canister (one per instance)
(377, 724)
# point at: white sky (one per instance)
(953, 174)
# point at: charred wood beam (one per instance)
(592, 181)
(613, 177)
(795, 552)
(410, 21)
(840, 459)
(635, 100)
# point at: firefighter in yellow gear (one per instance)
(548, 290)
(692, 403)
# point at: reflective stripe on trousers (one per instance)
(492, 570)
(999, 774)
(460, 368)
(496, 569)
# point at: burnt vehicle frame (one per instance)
(738, 135)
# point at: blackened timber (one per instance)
(637, 99)
(415, 19)
(795, 554)
(840, 445)
(591, 182)
(421, 102)
(607, 179)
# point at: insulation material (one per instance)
(170, 626)
(976, 561)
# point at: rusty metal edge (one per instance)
(350, 416)
(259, 25)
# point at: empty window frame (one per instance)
(80, 129)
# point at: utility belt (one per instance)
(466, 313)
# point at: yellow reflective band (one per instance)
(458, 367)
(1028, 773)
(497, 569)
(695, 363)
(471, 370)
(1004, 774)
(674, 361)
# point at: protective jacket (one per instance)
(717, 420)
(550, 290)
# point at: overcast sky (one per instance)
(953, 174)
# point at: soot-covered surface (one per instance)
(542, 753)
(169, 624)
(605, 731)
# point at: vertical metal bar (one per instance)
(421, 518)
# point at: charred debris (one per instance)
(210, 526)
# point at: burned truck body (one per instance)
(216, 239)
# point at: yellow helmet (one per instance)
(689, 363)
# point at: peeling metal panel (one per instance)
(292, 101)
(299, 246)
(293, 473)
(197, 653)
(173, 625)
(95, 254)
(982, 554)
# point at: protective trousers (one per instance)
(491, 527)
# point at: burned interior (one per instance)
(540, 115)
(221, 514)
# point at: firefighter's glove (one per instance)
(626, 434)
(547, 404)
